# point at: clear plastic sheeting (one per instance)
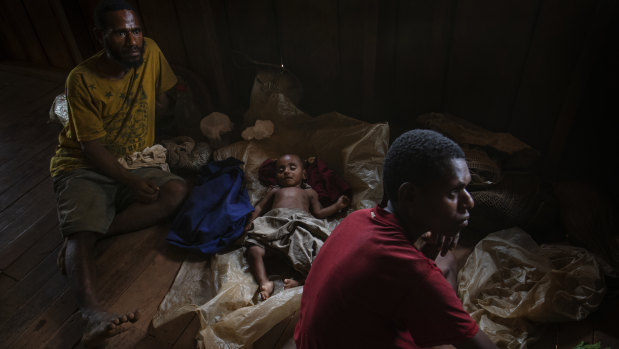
(59, 111)
(223, 293)
(221, 289)
(509, 284)
(234, 318)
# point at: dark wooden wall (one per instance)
(528, 67)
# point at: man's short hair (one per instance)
(106, 6)
(417, 156)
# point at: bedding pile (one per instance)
(220, 288)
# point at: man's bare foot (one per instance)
(102, 325)
(290, 283)
(266, 289)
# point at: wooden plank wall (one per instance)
(518, 66)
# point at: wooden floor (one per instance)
(37, 308)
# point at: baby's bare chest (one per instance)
(292, 197)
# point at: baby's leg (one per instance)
(255, 258)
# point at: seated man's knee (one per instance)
(174, 192)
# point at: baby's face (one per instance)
(289, 171)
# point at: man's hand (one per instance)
(431, 245)
(145, 190)
(448, 243)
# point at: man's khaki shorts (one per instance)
(89, 201)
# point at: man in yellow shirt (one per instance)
(111, 98)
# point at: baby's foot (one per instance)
(290, 283)
(266, 289)
(102, 325)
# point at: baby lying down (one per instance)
(293, 226)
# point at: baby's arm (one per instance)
(323, 212)
(261, 206)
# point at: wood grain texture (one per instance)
(423, 39)
(158, 18)
(18, 219)
(23, 303)
(254, 36)
(48, 322)
(489, 45)
(308, 35)
(49, 31)
(205, 58)
(22, 26)
(10, 46)
(554, 49)
(80, 26)
(358, 58)
(188, 337)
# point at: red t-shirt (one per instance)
(369, 287)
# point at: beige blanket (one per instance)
(294, 233)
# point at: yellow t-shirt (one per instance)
(119, 112)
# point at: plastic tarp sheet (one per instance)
(510, 285)
(221, 288)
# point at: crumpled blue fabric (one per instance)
(214, 214)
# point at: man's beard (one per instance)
(117, 56)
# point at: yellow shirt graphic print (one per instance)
(127, 128)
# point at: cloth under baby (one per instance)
(293, 232)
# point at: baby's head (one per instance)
(290, 171)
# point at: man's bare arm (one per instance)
(105, 162)
(479, 341)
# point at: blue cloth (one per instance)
(214, 214)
